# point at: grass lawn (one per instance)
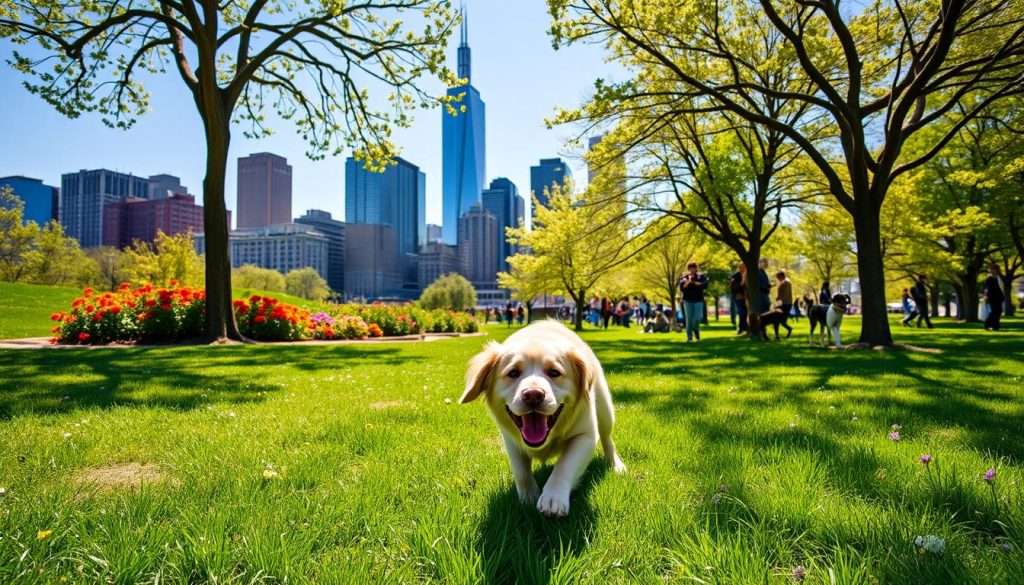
(346, 464)
(25, 309)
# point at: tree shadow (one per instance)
(519, 545)
(44, 381)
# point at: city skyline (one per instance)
(169, 138)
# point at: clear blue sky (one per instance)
(520, 76)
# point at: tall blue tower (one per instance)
(462, 149)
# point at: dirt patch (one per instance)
(385, 404)
(121, 476)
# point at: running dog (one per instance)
(827, 317)
(548, 395)
(773, 318)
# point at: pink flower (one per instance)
(990, 475)
(894, 436)
(925, 459)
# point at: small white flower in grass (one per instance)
(232, 414)
(269, 474)
(447, 400)
(67, 435)
(930, 544)
(3, 491)
(792, 425)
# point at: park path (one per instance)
(44, 342)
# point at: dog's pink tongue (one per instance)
(535, 427)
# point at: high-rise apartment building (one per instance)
(41, 201)
(282, 247)
(550, 171)
(502, 199)
(479, 247)
(436, 260)
(264, 190)
(322, 222)
(373, 268)
(85, 194)
(463, 155)
(396, 197)
(433, 233)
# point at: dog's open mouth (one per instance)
(535, 426)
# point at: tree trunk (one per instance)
(1006, 281)
(959, 301)
(529, 312)
(871, 272)
(753, 301)
(220, 318)
(717, 298)
(970, 298)
(934, 300)
(579, 299)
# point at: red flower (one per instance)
(260, 319)
(89, 308)
(150, 303)
(115, 309)
(56, 316)
(83, 336)
(166, 306)
(254, 299)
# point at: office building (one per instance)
(478, 251)
(433, 233)
(502, 199)
(322, 222)
(161, 186)
(437, 259)
(373, 269)
(41, 201)
(264, 190)
(85, 194)
(463, 153)
(133, 219)
(282, 247)
(396, 197)
(550, 171)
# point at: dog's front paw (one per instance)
(617, 465)
(554, 504)
(528, 496)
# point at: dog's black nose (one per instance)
(533, 397)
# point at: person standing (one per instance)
(738, 288)
(825, 296)
(607, 308)
(692, 286)
(920, 295)
(784, 296)
(909, 308)
(994, 298)
(764, 284)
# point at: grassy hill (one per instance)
(25, 309)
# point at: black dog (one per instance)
(773, 318)
(827, 317)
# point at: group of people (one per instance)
(783, 296)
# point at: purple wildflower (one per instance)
(322, 317)
(894, 436)
(799, 573)
(990, 475)
(926, 459)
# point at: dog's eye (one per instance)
(513, 373)
(553, 373)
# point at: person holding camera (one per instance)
(692, 286)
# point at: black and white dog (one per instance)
(827, 317)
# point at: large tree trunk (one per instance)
(969, 286)
(875, 319)
(220, 319)
(754, 308)
(959, 301)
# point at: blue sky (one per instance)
(520, 76)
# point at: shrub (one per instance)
(128, 315)
(266, 319)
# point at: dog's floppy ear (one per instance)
(584, 373)
(478, 376)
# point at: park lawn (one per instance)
(25, 309)
(347, 463)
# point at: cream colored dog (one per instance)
(548, 395)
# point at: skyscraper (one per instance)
(550, 171)
(395, 197)
(164, 185)
(41, 201)
(85, 194)
(478, 248)
(502, 199)
(372, 266)
(264, 190)
(335, 232)
(462, 149)
(133, 219)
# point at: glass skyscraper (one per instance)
(550, 171)
(462, 145)
(41, 201)
(395, 197)
(84, 195)
(502, 199)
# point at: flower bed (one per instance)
(150, 314)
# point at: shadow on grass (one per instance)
(183, 378)
(520, 545)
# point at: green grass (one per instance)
(380, 479)
(25, 309)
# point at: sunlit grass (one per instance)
(346, 464)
